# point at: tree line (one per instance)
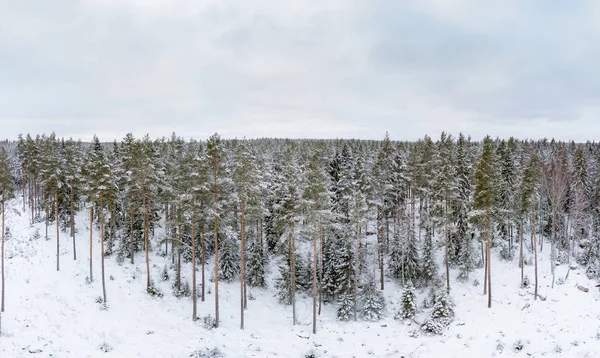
(336, 217)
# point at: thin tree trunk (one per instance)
(447, 247)
(242, 261)
(73, 220)
(202, 248)
(216, 270)
(23, 183)
(179, 238)
(485, 271)
(91, 242)
(146, 235)
(131, 246)
(46, 210)
(380, 246)
(535, 290)
(102, 248)
(314, 288)
(521, 258)
(322, 245)
(489, 268)
(167, 224)
(194, 298)
(292, 274)
(57, 233)
(357, 265)
(3, 283)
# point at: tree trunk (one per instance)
(216, 270)
(380, 246)
(91, 242)
(23, 183)
(242, 261)
(292, 274)
(73, 221)
(102, 248)
(535, 290)
(314, 288)
(131, 247)
(57, 233)
(489, 268)
(46, 210)
(146, 235)
(167, 225)
(322, 237)
(194, 298)
(3, 283)
(447, 247)
(521, 258)
(202, 248)
(357, 265)
(179, 238)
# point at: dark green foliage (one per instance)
(345, 310)
(229, 262)
(256, 268)
(372, 302)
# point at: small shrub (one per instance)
(207, 353)
(518, 346)
(208, 322)
(476, 282)
(36, 234)
(105, 347)
(154, 291)
(311, 354)
(164, 275)
(526, 282)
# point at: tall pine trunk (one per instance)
(202, 248)
(102, 248)
(216, 228)
(194, 298)
(521, 258)
(292, 274)
(242, 261)
(535, 289)
(91, 242)
(488, 261)
(3, 283)
(179, 238)
(73, 220)
(131, 247)
(57, 233)
(447, 245)
(314, 288)
(357, 266)
(146, 234)
(322, 246)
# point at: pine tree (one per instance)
(228, 258)
(246, 181)
(7, 190)
(485, 192)
(216, 160)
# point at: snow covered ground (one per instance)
(55, 314)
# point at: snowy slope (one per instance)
(55, 314)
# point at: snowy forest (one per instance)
(335, 223)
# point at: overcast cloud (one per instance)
(301, 69)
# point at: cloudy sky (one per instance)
(310, 69)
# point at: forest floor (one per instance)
(55, 314)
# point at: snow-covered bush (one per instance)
(207, 353)
(372, 302)
(164, 274)
(345, 310)
(409, 306)
(183, 291)
(154, 291)
(208, 322)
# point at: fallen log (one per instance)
(581, 288)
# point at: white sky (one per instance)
(312, 68)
